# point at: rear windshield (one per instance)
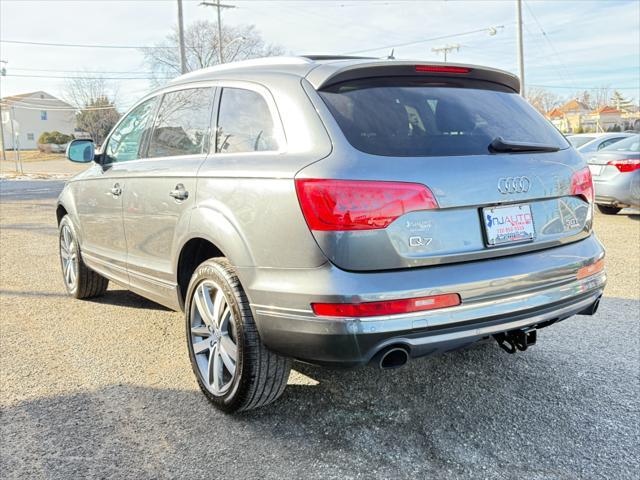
(409, 118)
(631, 144)
(579, 141)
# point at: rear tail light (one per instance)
(390, 307)
(589, 270)
(441, 69)
(626, 165)
(359, 205)
(582, 184)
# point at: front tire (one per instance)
(79, 280)
(234, 369)
(607, 210)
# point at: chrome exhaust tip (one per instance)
(394, 357)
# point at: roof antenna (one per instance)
(391, 57)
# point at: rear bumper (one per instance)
(498, 295)
(623, 190)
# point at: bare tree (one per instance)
(201, 46)
(543, 100)
(600, 96)
(95, 102)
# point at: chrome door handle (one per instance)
(116, 191)
(179, 193)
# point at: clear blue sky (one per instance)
(585, 43)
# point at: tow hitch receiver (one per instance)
(511, 342)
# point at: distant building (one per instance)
(602, 119)
(32, 114)
(557, 117)
(573, 112)
(574, 116)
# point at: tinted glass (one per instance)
(182, 124)
(608, 142)
(579, 141)
(124, 143)
(631, 144)
(244, 123)
(407, 118)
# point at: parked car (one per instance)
(616, 175)
(587, 143)
(340, 211)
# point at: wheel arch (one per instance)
(61, 211)
(211, 235)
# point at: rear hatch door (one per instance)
(437, 133)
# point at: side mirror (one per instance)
(81, 151)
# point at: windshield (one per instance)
(579, 141)
(397, 117)
(631, 144)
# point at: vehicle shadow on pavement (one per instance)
(126, 298)
(565, 409)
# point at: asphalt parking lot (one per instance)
(103, 388)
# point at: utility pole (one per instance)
(3, 72)
(446, 49)
(219, 6)
(4, 155)
(16, 141)
(520, 45)
(183, 56)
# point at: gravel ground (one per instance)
(104, 389)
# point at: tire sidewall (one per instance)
(67, 222)
(212, 270)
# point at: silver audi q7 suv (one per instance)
(339, 211)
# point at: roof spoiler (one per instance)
(330, 74)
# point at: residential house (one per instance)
(557, 117)
(573, 111)
(29, 114)
(602, 119)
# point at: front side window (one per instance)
(244, 123)
(412, 118)
(579, 141)
(43, 114)
(182, 124)
(30, 136)
(124, 143)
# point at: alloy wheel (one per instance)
(213, 337)
(69, 256)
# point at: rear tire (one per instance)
(235, 371)
(607, 210)
(79, 280)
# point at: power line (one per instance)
(424, 40)
(580, 88)
(548, 40)
(51, 109)
(85, 45)
(64, 77)
(79, 71)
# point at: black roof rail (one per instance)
(336, 57)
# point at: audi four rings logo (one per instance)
(513, 185)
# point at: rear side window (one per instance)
(630, 144)
(409, 118)
(182, 123)
(608, 142)
(244, 123)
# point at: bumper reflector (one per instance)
(590, 269)
(389, 307)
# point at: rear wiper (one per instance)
(499, 144)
